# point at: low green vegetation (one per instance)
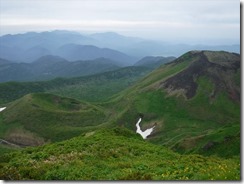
(115, 154)
(93, 88)
(195, 137)
(178, 120)
(223, 142)
(184, 125)
(6, 149)
(50, 117)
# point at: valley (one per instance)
(93, 88)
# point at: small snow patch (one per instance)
(2, 108)
(145, 133)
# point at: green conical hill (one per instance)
(47, 117)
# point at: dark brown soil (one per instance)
(186, 79)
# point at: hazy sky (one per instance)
(184, 21)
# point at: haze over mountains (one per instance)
(70, 54)
(48, 67)
(30, 46)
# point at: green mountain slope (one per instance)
(188, 100)
(93, 88)
(194, 103)
(113, 154)
(39, 118)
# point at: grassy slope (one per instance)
(38, 118)
(183, 125)
(196, 125)
(35, 119)
(92, 88)
(115, 154)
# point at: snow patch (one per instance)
(2, 108)
(145, 133)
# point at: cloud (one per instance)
(157, 19)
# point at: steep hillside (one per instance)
(39, 118)
(92, 88)
(191, 101)
(220, 67)
(112, 154)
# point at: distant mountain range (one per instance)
(30, 46)
(48, 67)
(73, 52)
(72, 46)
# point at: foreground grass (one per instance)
(116, 154)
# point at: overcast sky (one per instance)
(182, 21)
